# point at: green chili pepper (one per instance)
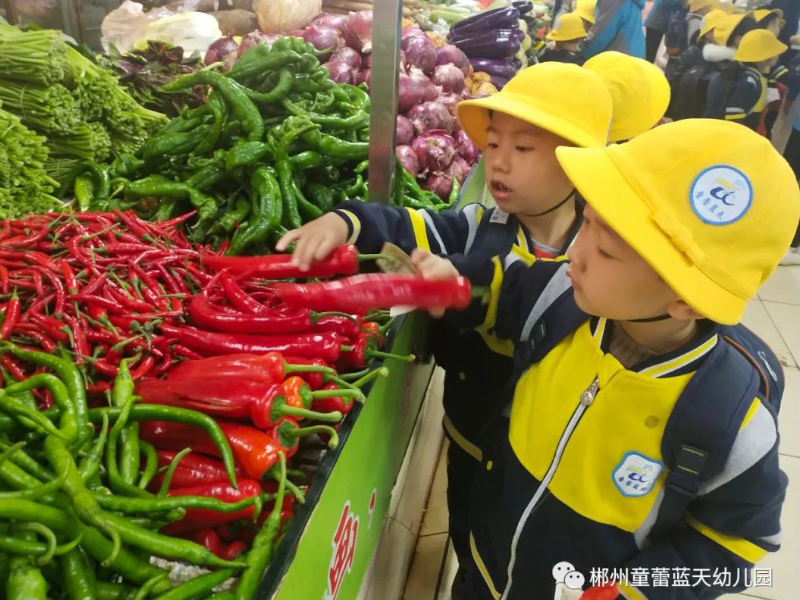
(118, 484)
(267, 208)
(84, 191)
(306, 208)
(291, 213)
(220, 111)
(165, 209)
(129, 436)
(205, 178)
(23, 460)
(113, 591)
(77, 582)
(244, 109)
(278, 92)
(176, 144)
(451, 200)
(125, 165)
(306, 160)
(167, 503)
(150, 465)
(199, 586)
(260, 59)
(38, 491)
(228, 222)
(91, 464)
(245, 154)
(328, 145)
(25, 581)
(30, 417)
(321, 195)
(360, 119)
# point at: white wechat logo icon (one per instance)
(569, 582)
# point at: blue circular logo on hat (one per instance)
(721, 195)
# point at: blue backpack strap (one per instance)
(706, 420)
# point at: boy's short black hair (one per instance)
(747, 25)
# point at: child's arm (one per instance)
(608, 21)
(732, 525)
(369, 225)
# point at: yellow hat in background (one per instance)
(564, 99)
(724, 29)
(695, 5)
(709, 204)
(762, 14)
(759, 45)
(570, 27)
(639, 90)
(586, 9)
(711, 20)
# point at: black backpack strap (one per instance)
(496, 234)
(702, 429)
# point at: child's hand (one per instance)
(315, 240)
(433, 267)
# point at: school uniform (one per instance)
(618, 27)
(477, 365)
(577, 473)
(564, 56)
(747, 98)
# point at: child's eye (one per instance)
(604, 254)
(523, 149)
(492, 145)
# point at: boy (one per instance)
(757, 54)
(618, 26)
(541, 108)
(626, 387)
(566, 37)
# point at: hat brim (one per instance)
(775, 48)
(555, 36)
(473, 116)
(605, 188)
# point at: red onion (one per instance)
(450, 54)
(359, 24)
(440, 184)
(429, 91)
(459, 169)
(405, 131)
(450, 101)
(429, 116)
(219, 50)
(323, 38)
(347, 56)
(435, 150)
(420, 53)
(466, 148)
(410, 92)
(340, 72)
(408, 158)
(449, 77)
(328, 20)
(412, 31)
(229, 61)
(364, 76)
(257, 37)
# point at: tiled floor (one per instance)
(775, 316)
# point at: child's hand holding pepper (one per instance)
(435, 268)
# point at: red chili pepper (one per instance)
(288, 433)
(31, 331)
(326, 346)
(263, 403)
(300, 393)
(149, 289)
(341, 261)
(209, 539)
(334, 401)
(11, 365)
(4, 279)
(364, 351)
(127, 301)
(239, 298)
(193, 469)
(348, 327)
(79, 343)
(182, 350)
(13, 313)
(69, 278)
(608, 591)
(264, 368)
(166, 226)
(363, 292)
(254, 450)
(316, 379)
(372, 329)
(51, 326)
(223, 491)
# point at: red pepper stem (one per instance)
(382, 372)
(306, 431)
(302, 413)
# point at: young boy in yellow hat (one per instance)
(586, 9)
(566, 38)
(642, 443)
(758, 53)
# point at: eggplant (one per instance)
(499, 18)
(490, 44)
(504, 68)
(498, 81)
(523, 7)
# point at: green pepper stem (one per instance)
(306, 431)
(366, 257)
(382, 372)
(162, 491)
(316, 316)
(302, 413)
(289, 368)
(408, 358)
(356, 394)
(353, 376)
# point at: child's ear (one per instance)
(682, 311)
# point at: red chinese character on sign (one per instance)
(344, 551)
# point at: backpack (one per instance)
(703, 427)
(719, 88)
(676, 68)
(693, 99)
(676, 38)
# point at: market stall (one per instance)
(185, 414)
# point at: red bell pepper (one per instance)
(288, 433)
(608, 591)
(317, 379)
(364, 351)
(265, 368)
(326, 346)
(341, 261)
(364, 292)
(300, 393)
(193, 469)
(372, 329)
(263, 403)
(333, 400)
(253, 449)
(196, 518)
(210, 539)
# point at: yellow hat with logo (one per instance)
(711, 20)
(724, 29)
(639, 90)
(695, 5)
(586, 9)
(564, 99)
(570, 27)
(759, 45)
(709, 204)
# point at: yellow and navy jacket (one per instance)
(477, 365)
(747, 98)
(578, 472)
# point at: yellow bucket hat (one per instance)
(711, 20)
(758, 45)
(586, 9)
(724, 28)
(639, 90)
(695, 5)
(564, 99)
(762, 14)
(570, 27)
(684, 196)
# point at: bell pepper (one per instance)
(210, 539)
(254, 450)
(197, 518)
(314, 379)
(333, 401)
(299, 393)
(265, 368)
(193, 469)
(288, 433)
(373, 329)
(263, 403)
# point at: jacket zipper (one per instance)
(587, 397)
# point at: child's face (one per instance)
(610, 279)
(774, 25)
(522, 172)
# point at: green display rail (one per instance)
(328, 548)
